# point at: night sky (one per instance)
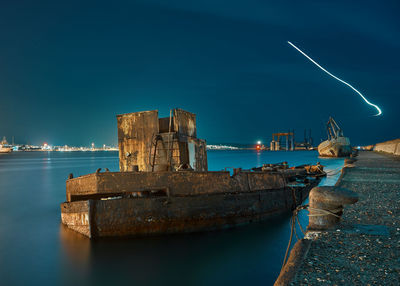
(68, 67)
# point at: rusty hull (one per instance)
(148, 203)
(98, 185)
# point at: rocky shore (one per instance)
(364, 249)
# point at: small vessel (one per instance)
(4, 147)
(164, 185)
(337, 145)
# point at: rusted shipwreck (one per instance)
(337, 145)
(164, 185)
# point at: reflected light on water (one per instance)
(76, 246)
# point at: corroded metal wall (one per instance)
(185, 214)
(77, 216)
(201, 155)
(149, 143)
(185, 123)
(135, 136)
(236, 200)
(178, 183)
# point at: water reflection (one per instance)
(232, 256)
(76, 246)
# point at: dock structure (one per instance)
(364, 248)
(278, 144)
(286, 141)
(307, 144)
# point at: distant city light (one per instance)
(259, 146)
(46, 147)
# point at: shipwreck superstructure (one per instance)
(149, 143)
(164, 185)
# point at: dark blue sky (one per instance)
(66, 69)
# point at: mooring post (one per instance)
(326, 206)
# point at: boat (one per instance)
(164, 186)
(337, 144)
(4, 147)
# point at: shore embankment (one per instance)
(391, 147)
(364, 249)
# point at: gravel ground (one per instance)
(365, 248)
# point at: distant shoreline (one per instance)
(116, 150)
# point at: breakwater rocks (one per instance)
(364, 247)
(391, 147)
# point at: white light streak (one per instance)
(335, 77)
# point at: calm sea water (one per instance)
(35, 249)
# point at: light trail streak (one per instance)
(335, 77)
